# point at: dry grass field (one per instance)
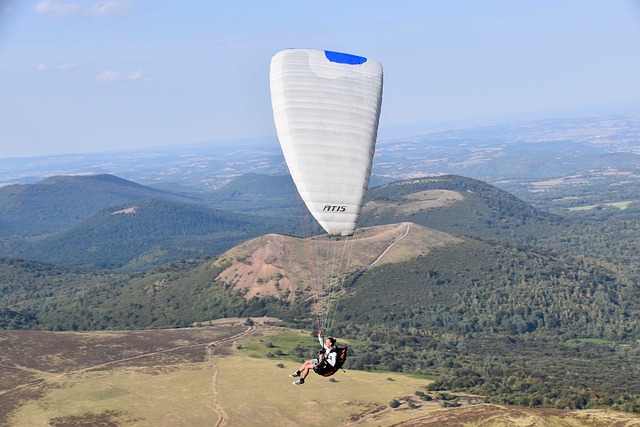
(219, 376)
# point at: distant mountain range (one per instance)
(106, 222)
(518, 156)
(74, 220)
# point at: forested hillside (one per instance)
(105, 222)
(255, 194)
(58, 202)
(37, 295)
(521, 326)
(484, 211)
(142, 234)
(479, 289)
(480, 210)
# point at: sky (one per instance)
(91, 76)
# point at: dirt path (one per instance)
(389, 247)
(217, 407)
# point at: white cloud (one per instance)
(135, 76)
(109, 8)
(60, 67)
(67, 67)
(108, 77)
(111, 76)
(58, 9)
(99, 9)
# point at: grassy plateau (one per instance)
(226, 374)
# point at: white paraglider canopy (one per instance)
(326, 107)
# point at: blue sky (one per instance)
(88, 76)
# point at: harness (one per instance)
(324, 368)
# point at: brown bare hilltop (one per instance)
(271, 265)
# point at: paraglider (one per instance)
(330, 359)
(326, 108)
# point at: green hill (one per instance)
(255, 194)
(469, 207)
(37, 295)
(460, 286)
(458, 205)
(71, 220)
(145, 233)
(58, 202)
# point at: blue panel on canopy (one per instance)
(344, 58)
